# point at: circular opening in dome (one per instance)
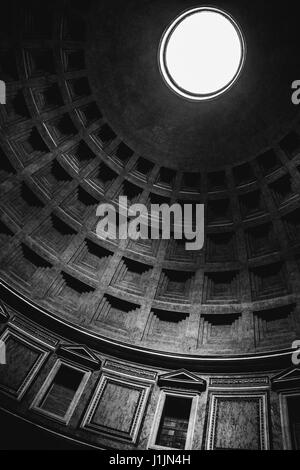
(202, 53)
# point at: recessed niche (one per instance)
(216, 330)
(23, 204)
(79, 156)
(39, 61)
(282, 190)
(5, 233)
(5, 166)
(105, 135)
(54, 234)
(157, 199)
(275, 326)
(33, 258)
(176, 251)
(123, 153)
(48, 97)
(31, 145)
(292, 224)
(76, 285)
(16, 107)
(219, 211)
(221, 287)
(191, 181)
(220, 247)
(131, 191)
(243, 174)
(143, 168)
(4, 230)
(61, 227)
(91, 259)
(74, 295)
(29, 197)
(89, 114)
(131, 276)
(216, 181)
(79, 205)
(27, 267)
(269, 162)
(117, 315)
(166, 177)
(164, 325)
(268, 281)
(261, 240)
(73, 59)
(175, 286)
(59, 173)
(251, 204)
(102, 177)
(61, 395)
(51, 178)
(78, 87)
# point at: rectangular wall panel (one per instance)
(117, 408)
(237, 422)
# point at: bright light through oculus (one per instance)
(202, 53)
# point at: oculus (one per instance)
(202, 53)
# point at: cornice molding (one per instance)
(79, 353)
(287, 379)
(182, 379)
(274, 360)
